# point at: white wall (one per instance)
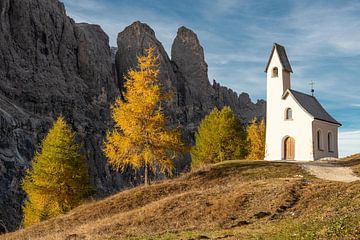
(299, 128)
(277, 128)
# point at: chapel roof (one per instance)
(312, 106)
(282, 55)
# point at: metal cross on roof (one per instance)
(312, 84)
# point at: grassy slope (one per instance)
(233, 200)
(354, 162)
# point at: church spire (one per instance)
(282, 55)
(278, 70)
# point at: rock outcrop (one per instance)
(186, 75)
(132, 42)
(241, 104)
(200, 97)
(50, 65)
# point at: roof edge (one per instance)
(289, 91)
(335, 123)
(301, 106)
(277, 47)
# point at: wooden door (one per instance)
(289, 148)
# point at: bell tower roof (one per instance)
(282, 55)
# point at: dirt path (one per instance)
(330, 171)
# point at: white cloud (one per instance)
(214, 9)
(223, 58)
(311, 31)
(315, 36)
(325, 30)
(349, 142)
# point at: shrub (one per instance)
(220, 137)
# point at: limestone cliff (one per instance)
(199, 95)
(49, 66)
(185, 74)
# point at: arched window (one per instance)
(288, 114)
(330, 142)
(275, 72)
(319, 140)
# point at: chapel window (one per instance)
(288, 114)
(275, 72)
(319, 140)
(330, 142)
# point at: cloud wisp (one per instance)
(349, 142)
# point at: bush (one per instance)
(220, 137)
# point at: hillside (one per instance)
(354, 162)
(233, 200)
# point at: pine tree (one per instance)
(220, 137)
(58, 180)
(256, 140)
(141, 137)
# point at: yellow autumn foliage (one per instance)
(256, 140)
(220, 137)
(58, 179)
(141, 136)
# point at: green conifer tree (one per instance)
(58, 179)
(220, 137)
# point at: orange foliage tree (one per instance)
(141, 136)
(256, 140)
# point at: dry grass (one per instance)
(233, 200)
(354, 162)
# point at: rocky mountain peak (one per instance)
(188, 55)
(187, 36)
(187, 46)
(132, 42)
(138, 28)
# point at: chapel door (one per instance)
(289, 148)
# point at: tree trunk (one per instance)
(146, 175)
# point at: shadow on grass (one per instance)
(350, 163)
(259, 168)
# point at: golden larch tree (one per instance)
(141, 137)
(58, 179)
(256, 140)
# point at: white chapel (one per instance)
(297, 126)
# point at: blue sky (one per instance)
(322, 39)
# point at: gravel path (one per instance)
(330, 171)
